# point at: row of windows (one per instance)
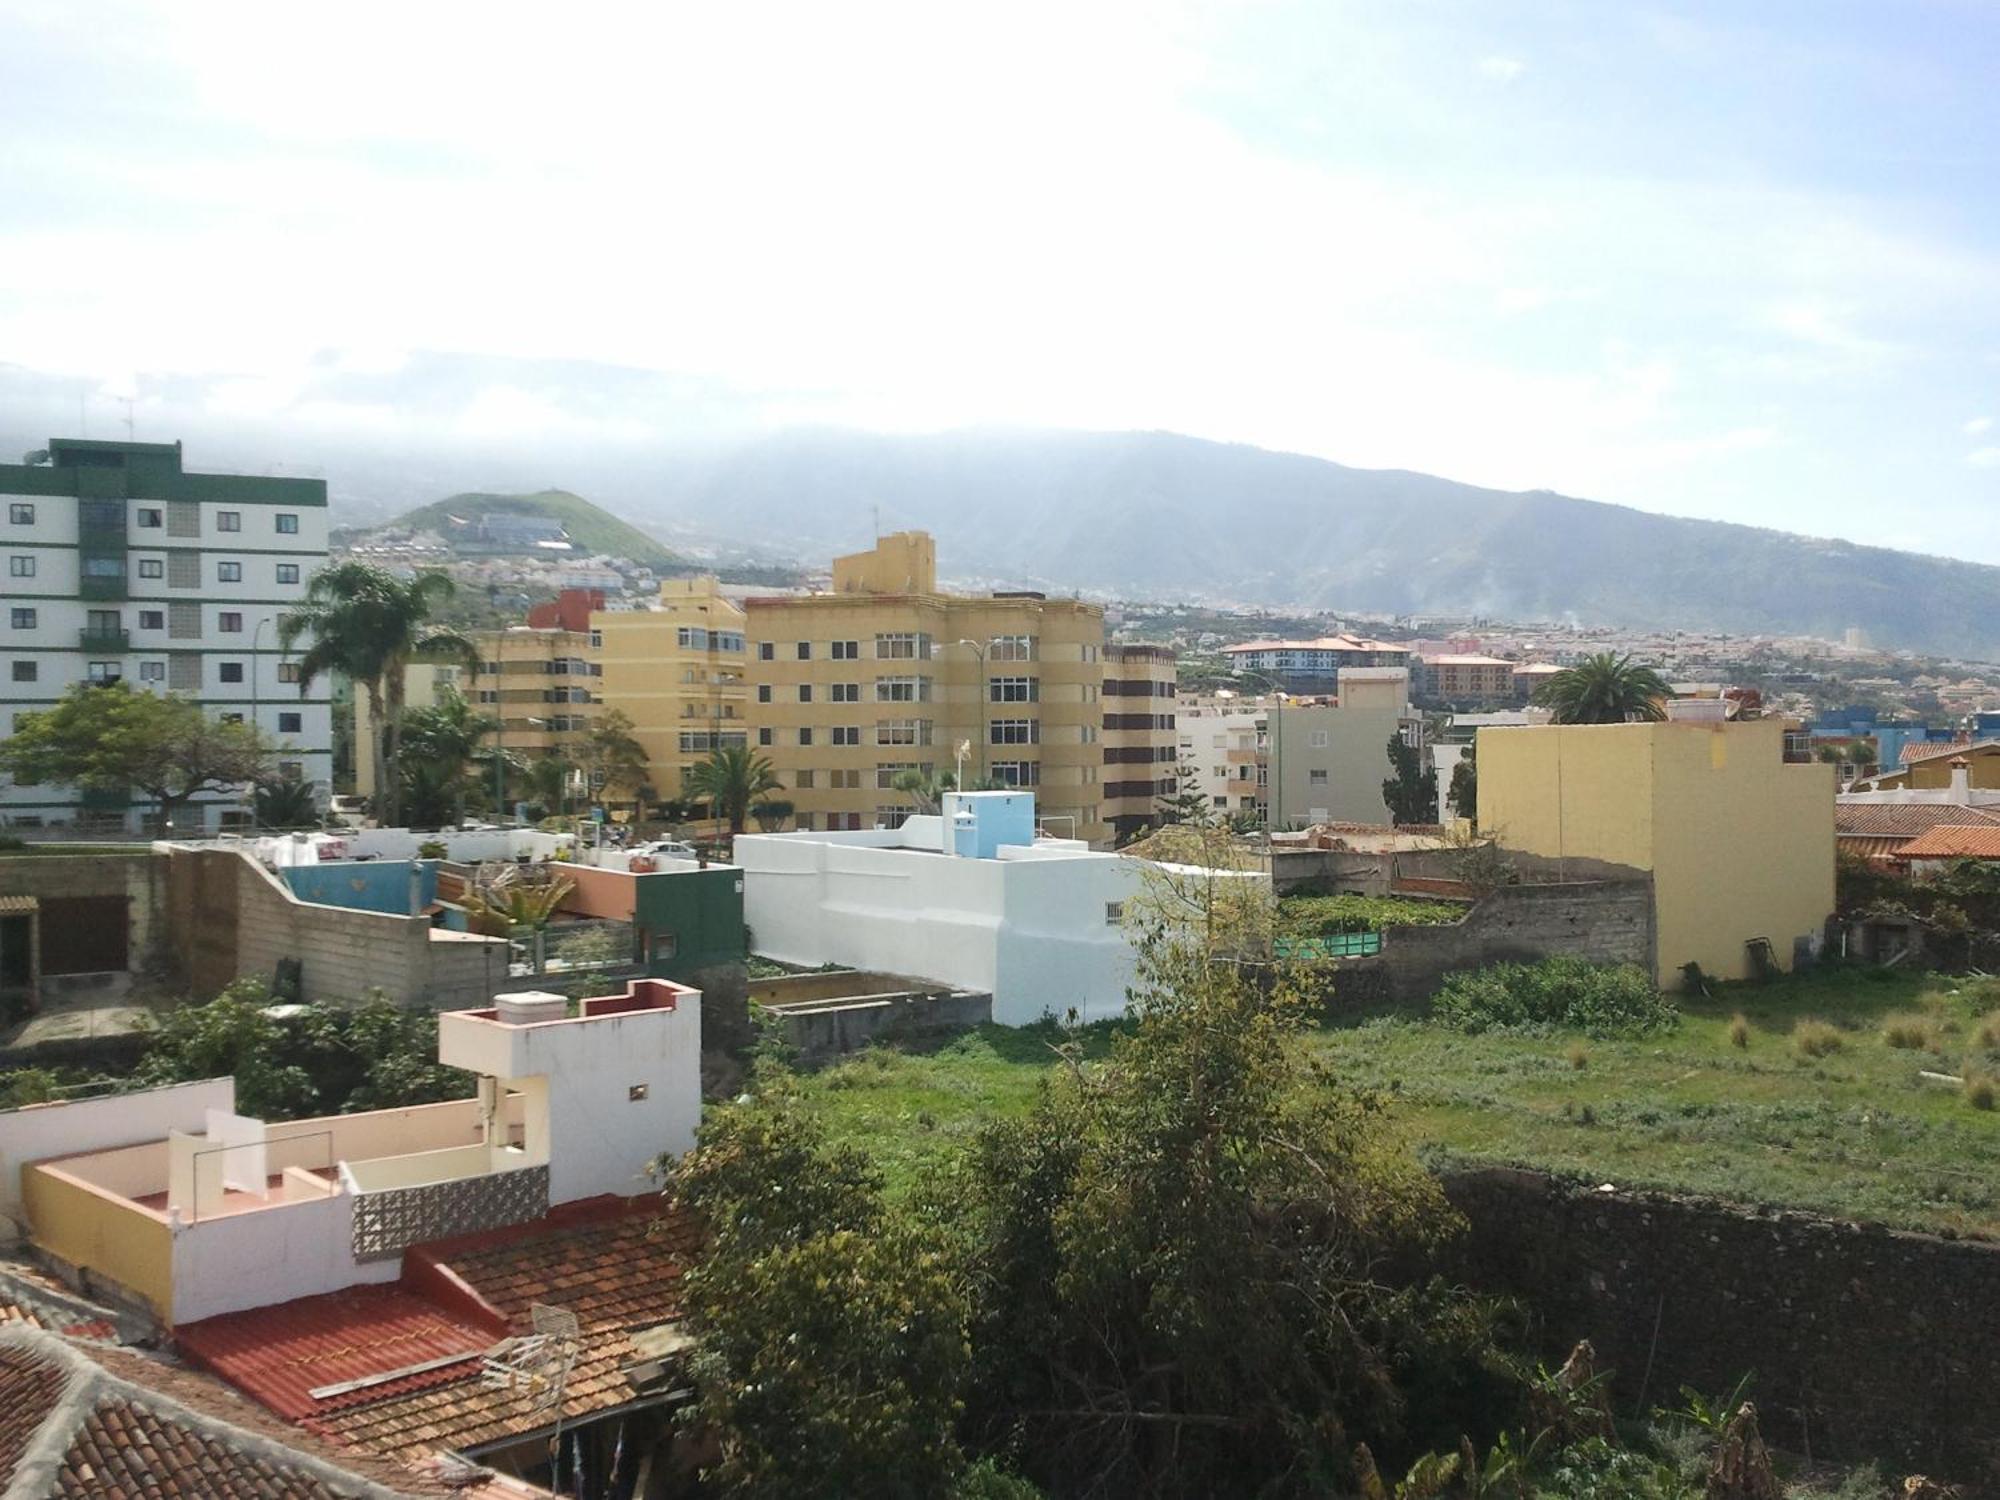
(700, 638)
(110, 621)
(147, 517)
(909, 646)
(156, 671)
(23, 565)
(917, 732)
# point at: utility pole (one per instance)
(979, 690)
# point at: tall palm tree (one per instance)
(729, 781)
(369, 624)
(1605, 689)
(444, 742)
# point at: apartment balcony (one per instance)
(106, 640)
(89, 587)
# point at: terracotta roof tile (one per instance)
(1954, 842)
(1915, 750)
(1903, 819)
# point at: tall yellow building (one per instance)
(1738, 843)
(884, 673)
(677, 670)
(540, 685)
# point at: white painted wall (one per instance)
(40, 1131)
(1029, 928)
(264, 1256)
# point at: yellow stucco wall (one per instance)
(91, 1228)
(678, 697)
(1933, 773)
(1740, 845)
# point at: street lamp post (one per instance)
(980, 648)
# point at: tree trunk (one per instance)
(392, 692)
(384, 796)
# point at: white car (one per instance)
(666, 849)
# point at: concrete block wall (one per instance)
(139, 877)
(1607, 922)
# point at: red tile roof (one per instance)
(1949, 842)
(281, 1355)
(1903, 819)
(82, 1421)
(26, 1296)
(1915, 750)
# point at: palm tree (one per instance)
(926, 786)
(729, 781)
(369, 624)
(1605, 689)
(444, 741)
(286, 803)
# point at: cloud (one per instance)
(1977, 425)
(1502, 69)
(1984, 458)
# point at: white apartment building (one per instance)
(1223, 740)
(118, 565)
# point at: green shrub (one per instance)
(1811, 1038)
(1910, 1033)
(1315, 915)
(1564, 993)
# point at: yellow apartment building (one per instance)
(884, 673)
(678, 671)
(1739, 843)
(540, 685)
(424, 683)
(1141, 742)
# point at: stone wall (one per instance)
(1603, 921)
(232, 919)
(824, 1015)
(1862, 1342)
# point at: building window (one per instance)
(288, 671)
(1011, 648)
(229, 572)
(152, 567)
(147, 518)
(104, 567)
(288, 572)
(846, 650)
(806, 737)
(229, 622)
(902, 646)
(845, 781)
(20, 514)
(802, 781)
(102, 622)
(596, 640)
(27, 671)
(805, 692)
(152, 671)
(767, 651)
(1114, 913)
(230, 671)
(886, 773)
(1016, 772)
(1013, 690)
(152, 619)
(763, 692)
(291, 723)
(231, 718)
(104, 671)
(229, 520)
(1014, 732)
(903, 732)
(1315, 778)
(1316, 739)
(805, 650)
(288, 524)
(847, 734)
(902, 690)
(22, 619)
(764, 737)
(20, 567)
(846, 692)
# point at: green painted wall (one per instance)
(703, 912)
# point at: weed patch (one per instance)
(1562, 994)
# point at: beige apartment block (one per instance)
(540, 685)
(1141, 742)
(424, 684)
(678, 671)
(884, 673)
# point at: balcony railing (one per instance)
(106, 640)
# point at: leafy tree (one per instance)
(729, 781)
(549, 778)
(441, 749)
(1189, 804)
(1186, 1254)
(317, 1060)
(831, 1332)
(286, 803)
(771, 813)
(1412, 788)
(1465, 783)
(612, 757)
(1605, 689)
(370, 625)
(111, 737)
(926, 786)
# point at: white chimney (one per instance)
(1961, 781)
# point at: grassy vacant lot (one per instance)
(1852, 1131)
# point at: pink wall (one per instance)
(601, 893)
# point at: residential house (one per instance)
(1331, 758)
(1934, 851)
(886, 673)
(122, 566)
(1738, 843)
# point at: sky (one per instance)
(1735, 260)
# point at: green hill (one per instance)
(593, 530)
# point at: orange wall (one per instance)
(601, 893)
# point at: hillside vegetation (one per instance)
(591, 528)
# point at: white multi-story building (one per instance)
(117, 565)
(1224, 741)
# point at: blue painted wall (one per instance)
(366, 885)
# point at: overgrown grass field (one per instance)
(1835, 1118)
